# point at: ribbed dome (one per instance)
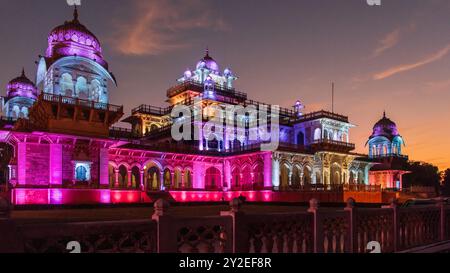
(385, 127)
(21, 87)
(73, 38)
(208, 63)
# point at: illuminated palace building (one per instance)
(59, 145)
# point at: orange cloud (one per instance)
(391, 39)
(160, 25)
(407, 67)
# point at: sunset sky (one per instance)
(395, 57)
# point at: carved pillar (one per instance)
(161, 180)
(141, 182)
(183, 183)
(130, 184)
(116, 182)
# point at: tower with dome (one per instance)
(73, 65)
(21, 94)
(385, 147)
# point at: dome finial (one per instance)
(384, 114)
(75, 13)
(207, 51)
(23, 71)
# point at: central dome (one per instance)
(74, 39)
(208, 63)
(385, 127)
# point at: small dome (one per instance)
(208, 63)
(21, 87)
(227, 72)
(72, 38)
(385, 127)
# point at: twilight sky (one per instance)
(395, 57)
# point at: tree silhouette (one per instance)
(446, 185)
(422, 174)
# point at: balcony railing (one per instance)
(321, 114)
(333, 145)
(80, 102)
(389, 155)
(199, 87)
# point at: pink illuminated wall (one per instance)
(22, 163)
(55, 164)
(74, 196)
(104, 172)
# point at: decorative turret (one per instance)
(385, 139)
(21, 93)
(208, 69)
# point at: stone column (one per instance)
(183, 183)
(141, 182)
(130, 184)
(116, 181)
(161, 180)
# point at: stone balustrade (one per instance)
(315, 230)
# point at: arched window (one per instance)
(135, 177)
(235, 177)
(300, 138)
(258, 180)
(336, 136)
(24, 112)
(96, 90)
(335, 174)
(66, 84)
(212, 179)
(295, 183)
(318, 178)
(247, 177)
(112, 175)
(317, 134)
(82, 88)
(284, 175)
(153, 179)
(187, 179)
(167, 179)
(15, 113)
(177, 179)
(123, 177)
(307, 175)
(325, 134)
(81, 173)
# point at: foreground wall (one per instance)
(313, 230)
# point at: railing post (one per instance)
(442, 222)
(317, 230)
(395, 217)
(166, 238)
(240, 234)
(351, 208)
